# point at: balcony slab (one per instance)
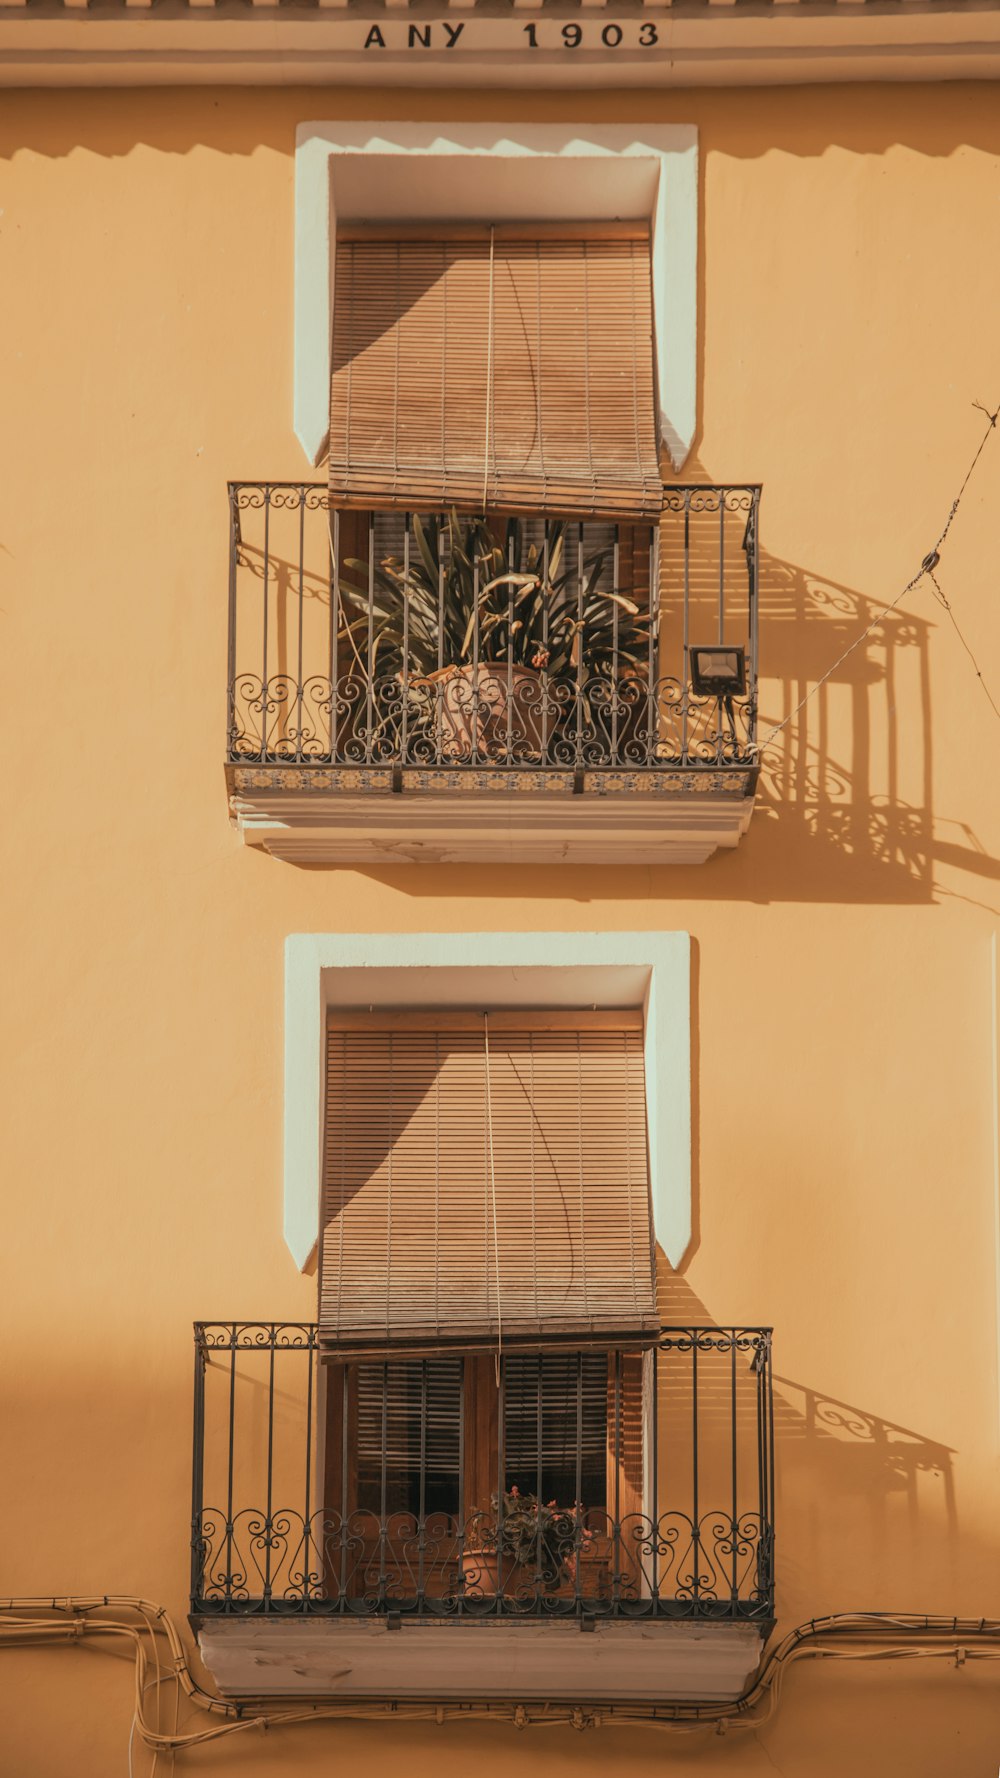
(356, 817)
(270, 1657)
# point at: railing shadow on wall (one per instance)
(866, 1506)
(845, 810)
(856, 1476)
(846, 788)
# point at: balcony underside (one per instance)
(370, 816)
(598, 1662)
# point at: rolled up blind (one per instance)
(425, 1245)
(494, 371)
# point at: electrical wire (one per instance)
(939, 595)
(846, 1636)
(926, 569)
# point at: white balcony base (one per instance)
(681, 821)
(364, 1658)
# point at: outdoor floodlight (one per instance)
(718, 672)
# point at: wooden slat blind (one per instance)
(408, 1437)
(410, 1258)
(556, 1425)
(514, 375)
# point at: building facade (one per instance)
(502, 1192)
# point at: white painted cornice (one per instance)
(495, 43)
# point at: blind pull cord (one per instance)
(489, 380)
(493, 1187)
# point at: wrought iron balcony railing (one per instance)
(555, 1485)
(392, 643)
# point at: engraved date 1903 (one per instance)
(580, 37)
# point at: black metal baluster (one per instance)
(307, 1576)
(344, 1472)
(510, 648)
(270, 1471)
(722, 566)
(370, 646)
(265, 692)
(439, 688)
(235, 541)
(695, 1508)
(733, 1436)
(654, 1505)
(462, 1397)
(769, 1467)
(229, 1478)
(300, 688)
(616, 1571)
(579, 646)
(405, 691)
(422, 1500)
(758, 1364)
(653, 650)
(501, 1477)
(720, 745)
(198, 1469)
(334, 637)
(475, 652)
(383, 1488)
(546, 680)
(539, 1433)
(754, 568)
(614, 686)
(578, 1505)
(686, 635)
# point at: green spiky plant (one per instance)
(465, 595)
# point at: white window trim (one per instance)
(527, 969)
(653, 171)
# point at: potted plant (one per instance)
(484, 643)
(523, 1545)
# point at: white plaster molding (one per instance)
(528, 172)
(543, 969)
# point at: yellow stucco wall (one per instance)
(844, 1081)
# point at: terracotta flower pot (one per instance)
(481, 711)
(485, 1573)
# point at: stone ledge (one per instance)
(649, 1662)
(355, 828)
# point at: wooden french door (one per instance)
(420, 1452)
